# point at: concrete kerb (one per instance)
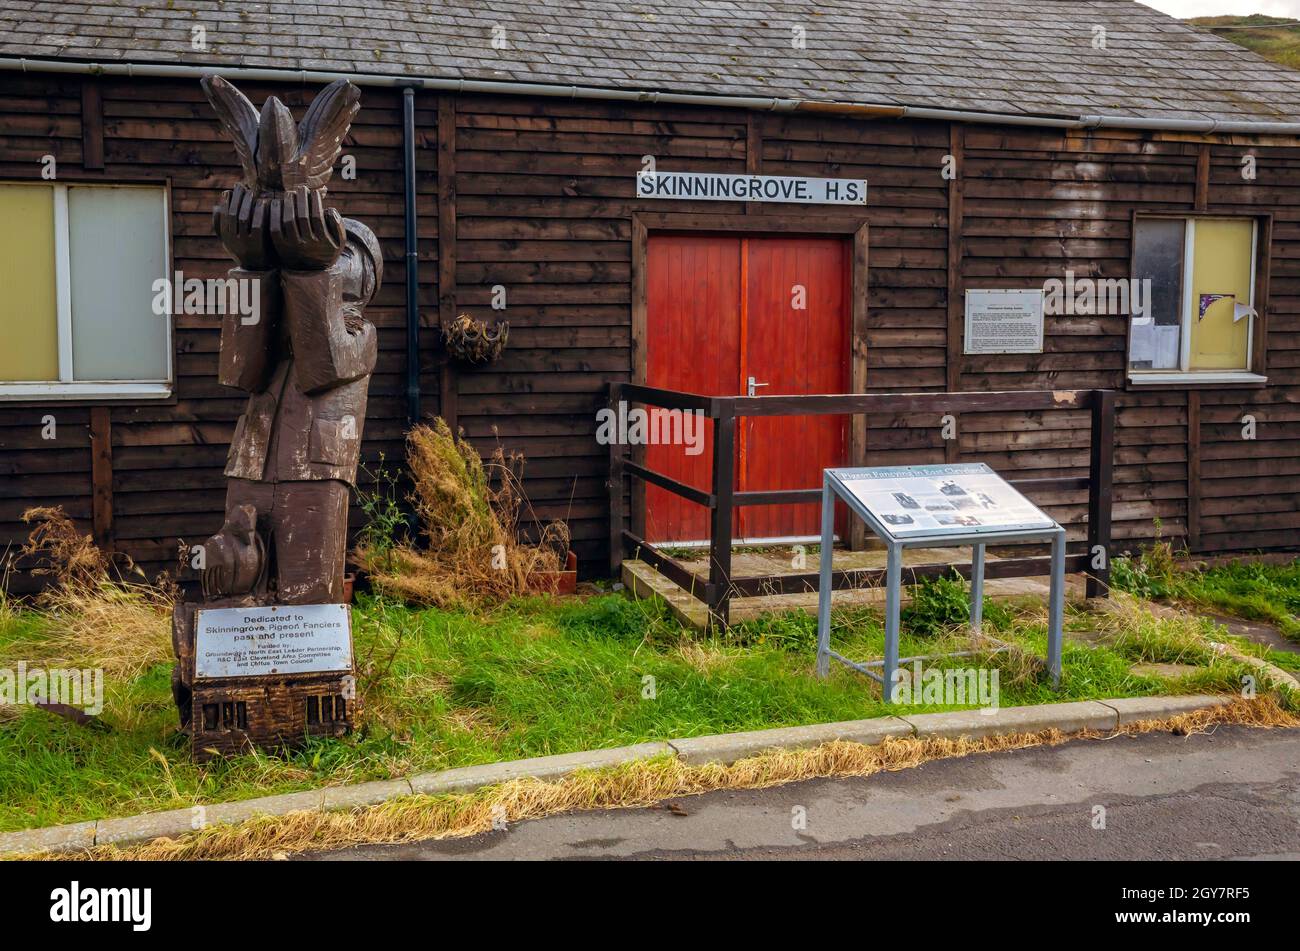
(1066, 717)
(1132, 709)
(726, 748)
(470, 778)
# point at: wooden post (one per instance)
(1100, 477)
(1201, 199)
(637, 361)
(1193, 471)
(616, 451)
(956, 308)
(412, 259)
(449, 391)
(101, 476)
(753, 153)
(92, 125)
(720, 524)
(858, 422)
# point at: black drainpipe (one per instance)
(412, 262)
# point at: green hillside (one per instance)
(1274, 37)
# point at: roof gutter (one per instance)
(759, 103)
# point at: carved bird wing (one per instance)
(320, 135)
(277, 144)
(239, 117)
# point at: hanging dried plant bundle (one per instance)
(473, 341)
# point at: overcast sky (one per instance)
(1210, 8)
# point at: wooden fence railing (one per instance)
(722, 499)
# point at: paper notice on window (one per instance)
(1166, 348)
(1142, 341)
(1004, 321)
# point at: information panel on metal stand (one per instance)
(937, 506)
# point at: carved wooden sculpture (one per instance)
(305, 359)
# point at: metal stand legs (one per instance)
(889, 664)
(824, 583)
(1056, 608)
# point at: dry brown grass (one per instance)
(705, 659)
(641, 783)
(470, 514)
(60, 550)
(96, 620)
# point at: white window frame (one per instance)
(66, 388)
(1184, 373)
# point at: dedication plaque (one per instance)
(272, 641)
(962, 499)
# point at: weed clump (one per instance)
(1263, 592)
(1153, 574)
(469, 513)
(938, 605)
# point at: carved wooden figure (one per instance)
(305, 358)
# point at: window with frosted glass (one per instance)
(116, 251)
(78, 265)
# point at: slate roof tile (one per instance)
(983, 55)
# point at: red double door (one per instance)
(721, 310)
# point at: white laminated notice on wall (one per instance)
(1008, 321)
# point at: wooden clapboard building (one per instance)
(1005, 145)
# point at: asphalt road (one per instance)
(1232, 794)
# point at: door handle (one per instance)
(753, 385)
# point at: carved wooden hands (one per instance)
(307, 235)
(240, 219)
(291, 229)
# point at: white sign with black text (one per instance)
(960, 499)
(711, 186)
(282, 639)
(1004, 321)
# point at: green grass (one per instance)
(1265, 35)
(535, 677)
(1259, 592)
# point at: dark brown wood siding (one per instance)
(541, 204)
(168, 456)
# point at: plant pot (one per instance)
(349, 582)
(558, 582)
